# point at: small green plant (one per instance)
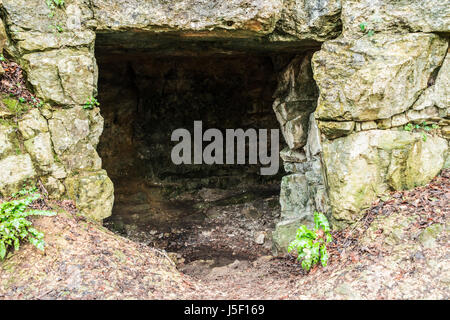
(408, 127)
(52, 5)
(91, 103)
(22, 100)
(57, 27)
(363, 26)
(422, 128)
(311, 245)
(364, 29)
(14, 226)
(36, 102)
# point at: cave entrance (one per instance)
(219, 212)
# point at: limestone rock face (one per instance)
(296, 98)
(303, 191)
(319, 20)
(6, 144)
(15, 171)
(436, 98)
(93, 193)
(396, 16)
(374, 77)
(34, 30)
(394, 72)
(75, 136)
(336, 129)
(367, 164)
(40, 150)
(32, 123)
(247, 16)
(65, 76)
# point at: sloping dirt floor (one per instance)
(398, 250)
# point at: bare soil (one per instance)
(398, 250)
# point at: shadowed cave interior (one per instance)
(146, 95)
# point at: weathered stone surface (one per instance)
(430, 113)
(68, 127)
(15, 171)
(54, 187)
(313, 143)
(34, 30)
(437, 95)
(396, 16)
(40, 150)
(36, 41)
(32, 123)
(6, 143)
(289, 155)
(65, 76)
(239, 16)
(399, 120)
(296, 98)
(366, 164)
(294, 197)
(446, 132)
(382, 80)
(425, 160)
(75, 133)
(285, 232)
(81, 156)
(318, 20)
(303, 192)
(3, 35)
(376, 77)
(335, 129)
(93, 193)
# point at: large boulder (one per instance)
(375, 77)
(368, 164)
(93, 193)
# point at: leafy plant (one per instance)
(422, 128)
(14, 227)
(52, 5)
(91, 103)
(311, 245)
(363, 28)
(36, 102)
(408, 127)
(57, 27)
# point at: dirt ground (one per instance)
(399, 250)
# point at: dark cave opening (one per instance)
(144, 98)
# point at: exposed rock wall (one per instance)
(382, 65)
(388, 70)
